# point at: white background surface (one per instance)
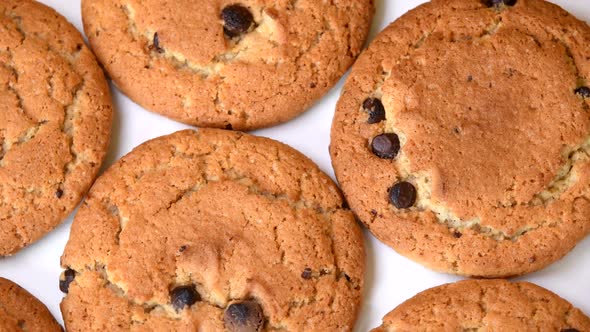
(390, 279)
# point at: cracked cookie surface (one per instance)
(20, 311)
(493, 129)
(174, 58)
(55, 121)
(485, 305)
(187, 225)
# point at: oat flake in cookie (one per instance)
(213, 231)
(55, 121)
(486, 305)
(491, 176)
(240, 64)
(22, 312)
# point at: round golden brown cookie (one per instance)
(20, 311)
(212, 229)
(224, 63)
(485, 305)
(461, 138)
(55, 121)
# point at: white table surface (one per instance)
(390, 278)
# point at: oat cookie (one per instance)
(461, 137)
(21, 311)
(240, 64)
(210, 230)
(486, 305)
(55, 121)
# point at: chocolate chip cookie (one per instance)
(21, 311)
(224, 63)
(486, 305)
(210, 230)
(462, 136)
(55, 121)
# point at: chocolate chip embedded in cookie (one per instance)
(385, 146)
(237, 20)
(184, 296)
(55, 121)
(213, 230)
(21, 311)
(227, 64)
(375, 109)
(245, 316)
(451, 151)
(66, 279)
(485, 305)
(583, 92)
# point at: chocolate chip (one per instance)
(59, 193)
(386, 146)
(469, 78)
(376, 110)
(244, 317)
(182, 248)
(182, 296)
(68, 276)
(402, 195)
(496, 3)
(569, 330)
(156, 44)
(583, 92)
(236, 20)
(347, 277)
(229, 126)
(457, 234)
(306, 273)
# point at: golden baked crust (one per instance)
(296, 53)
(55, 121)
(237, 216)
(493, 135)
(485, 305)
(20, 311)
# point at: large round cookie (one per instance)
(224, 63)
(20, 311)
(486, 305)
(461, 138)
(202, 230)
(55, 121)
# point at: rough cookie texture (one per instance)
(20, 311)
(55, 121)
(236, 218)
(173, 57)
(485, 305)
(493, 130)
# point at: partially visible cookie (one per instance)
(210, 230)
(55, 121)
(462, 137)
(22, 312)
(486, 305)
(224, 63)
